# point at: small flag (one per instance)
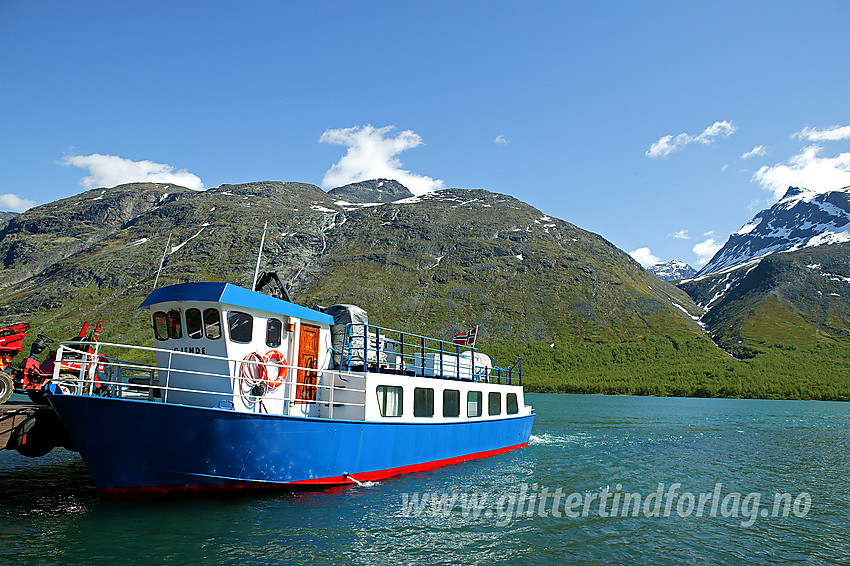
(466, 338)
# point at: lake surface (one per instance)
(612, 463)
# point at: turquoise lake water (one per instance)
(732, 460)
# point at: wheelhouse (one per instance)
(203, 331)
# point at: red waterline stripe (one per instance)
(143, 492)
(413, 468)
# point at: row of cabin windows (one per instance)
(240, 326)
(390, 399)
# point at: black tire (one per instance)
(33, 438)
(7, 387)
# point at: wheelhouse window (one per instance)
(451, 403)
(473, 404)
(389, 400)
(175, 324)
(513, 408)
(212, 323)
(494, 403)
(273, 332)
(160, 326)
(194, 326)
(240, 326)
(423, 402)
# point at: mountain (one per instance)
(375, 190)
(800, 219)
(672, 270)
(784, 274)
(440, 262)
(789, 299)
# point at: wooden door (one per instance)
(308, 357)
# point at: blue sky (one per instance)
(564, 105)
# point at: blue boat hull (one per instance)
(135, 448)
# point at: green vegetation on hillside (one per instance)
(669, 366)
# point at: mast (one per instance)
(161, 261)
(260, 255)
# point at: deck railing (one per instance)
(84, 368)
(374, 348)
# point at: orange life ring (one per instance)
(276, 356)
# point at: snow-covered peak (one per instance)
(802, 218)
(672, 270)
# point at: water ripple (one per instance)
(50, 512)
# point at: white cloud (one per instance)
(15, 203)
(757, 150)
(806, 170)
(682, 235)
(705, 250)
(502, 140)
(669, 143)
(372, 155)
(832, 133)
(644, 257)
(111, 170)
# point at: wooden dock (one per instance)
(31, 429)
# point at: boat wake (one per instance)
(363, 483)
(553, 439)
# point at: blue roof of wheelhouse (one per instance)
(233, 295)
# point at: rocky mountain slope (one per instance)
(672, 270)
(800, 219)
(438, 263)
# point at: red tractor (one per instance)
(32, 375)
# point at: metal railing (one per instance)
(383, 350)
(83, 368)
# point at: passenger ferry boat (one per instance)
(252, 391)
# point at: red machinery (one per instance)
(11, 344)
(33, 375)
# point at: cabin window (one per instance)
(194, 328)
(494, 403)
(389, 400)
(473, 404)
(423, 402)
(451, 403)
(273, 332)
(212, 324)
(175, 324)
(513, 408)
(160, 326)
(241, 326)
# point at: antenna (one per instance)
(161, 261)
